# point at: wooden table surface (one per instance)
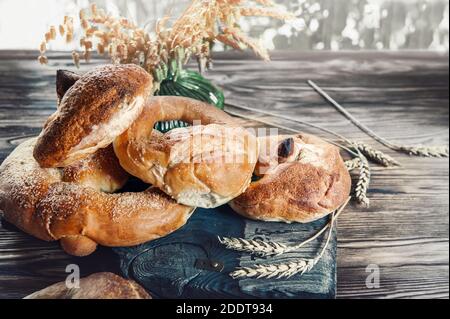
(403, 96)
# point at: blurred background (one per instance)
(320, 24)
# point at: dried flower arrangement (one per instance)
(164, 51)
(203, 23)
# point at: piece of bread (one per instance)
(38, 201)
(206, 165)
(303, 179)
(96, 286)
(100, 171)
(64, 81)
(101, 105)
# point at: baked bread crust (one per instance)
(96, 286)
(100, 170)
(101, 105)
(310, 183)
(64, 81)
(204, 166)
(38, 201)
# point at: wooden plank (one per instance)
(401, 95)
(168, 267)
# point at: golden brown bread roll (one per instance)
(101, 105)
(303, 179)
(96, 286)
(204, 166)
(38, 201)
(100, 171)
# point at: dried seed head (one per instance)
(76, 59)
(84, 24)
(376, 155)
(99, 34)
(194, 31)
(363, 183)
(53, 33)
(100, 49)
(62, 31)
(87, 56)
(131, 49)
(88, 45)
(90, 32)
(69, 37)
(43, 47)
(48, 37)
(101, 14)
(124, 22)
(43, 59)
(94, 9)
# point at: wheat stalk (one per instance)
(375, 155)
(265, 12)
(257, 247)
(425, 151)
(202, 23)
(279, 271)
(353, 164)
(363, 183)
(270, 248)
(287, 270)
(268, 3)
(430, 151)
(240, 37)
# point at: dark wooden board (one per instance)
(401, 95)
(172, 267)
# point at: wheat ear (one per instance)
(376, 156)
(279, 271)
(263, 248)
(425, 151)
(257, 247)
(353, 164)
(287, 270)
(430, 151)
(363, 183)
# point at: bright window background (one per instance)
(321, 24)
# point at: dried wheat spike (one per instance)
(267, 3)
(257, 247)
(353, 164)
(43, 47)
(265, 12)
(278, 271)
(425, 151)
(43, 59)
(362, 186)
(376, 155)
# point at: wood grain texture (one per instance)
(169, 268)
(403, 96)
